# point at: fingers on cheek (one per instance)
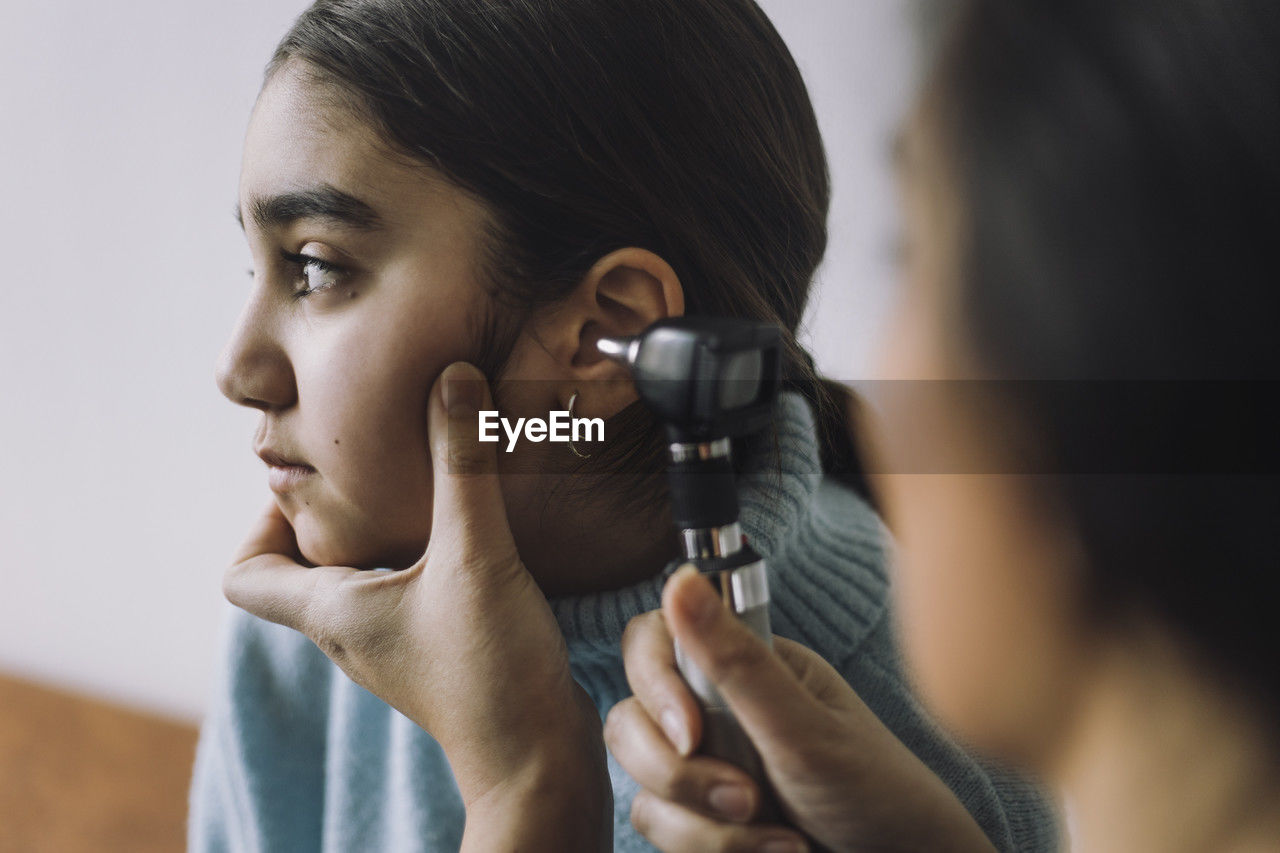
(675, 829)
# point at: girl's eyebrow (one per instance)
(323, 201)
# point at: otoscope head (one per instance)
(704, 377)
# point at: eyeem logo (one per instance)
(559, 427)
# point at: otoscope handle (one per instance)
(722, 735)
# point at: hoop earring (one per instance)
(576, 452)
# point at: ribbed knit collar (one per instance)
(778, 499)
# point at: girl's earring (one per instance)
(576, 452)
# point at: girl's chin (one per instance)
(321, 546)
(317, 542)
(330, 532)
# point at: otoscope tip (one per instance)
(619, 349)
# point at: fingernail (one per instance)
(730, 800)
(698, 601)
(784, 845)
(462, 392)
(675, 731)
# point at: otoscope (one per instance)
(710, 380)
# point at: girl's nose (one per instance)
(254, 369)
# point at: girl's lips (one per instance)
(283, 474)
(281, 478)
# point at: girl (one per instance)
(429, 180)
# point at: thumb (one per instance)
(467, 505)
(764, 694)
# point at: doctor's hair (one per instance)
(586, 126)
(1117, 169)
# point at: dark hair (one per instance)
(1117, 164)
(591, 125)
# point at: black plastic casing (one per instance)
(707, 378)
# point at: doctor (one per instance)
(1092, 193)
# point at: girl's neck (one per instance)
(588, 543)
(1165, 757)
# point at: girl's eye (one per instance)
(314, 274)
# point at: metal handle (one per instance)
(722, 735)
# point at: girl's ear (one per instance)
(624, 293)
(632, 289)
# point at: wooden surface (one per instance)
(80, 775)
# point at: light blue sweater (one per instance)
(295, 756)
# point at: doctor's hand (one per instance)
(843, 780)
(463, 643)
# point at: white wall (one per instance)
(125, 479)
(857, 59)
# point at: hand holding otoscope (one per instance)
(708, 380)
(847, 780)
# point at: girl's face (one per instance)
(984, 586)
(337, 345)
